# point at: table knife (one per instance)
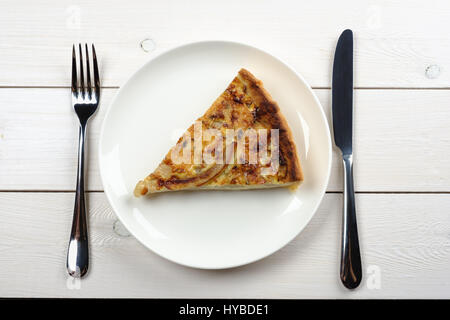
(342, 106)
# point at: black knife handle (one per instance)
(351, 272)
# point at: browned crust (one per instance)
(174, 183)
(264, 110)
(269, 111)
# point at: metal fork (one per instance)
(85, 102)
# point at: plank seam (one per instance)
(328, 192)
(313, 87)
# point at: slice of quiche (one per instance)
(241, 142)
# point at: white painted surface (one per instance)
(401, 145)
(404, 235)
(401, 140)
(395, 41)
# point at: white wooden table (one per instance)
(402, 145)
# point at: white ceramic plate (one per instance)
(208, 229)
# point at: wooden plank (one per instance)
(392, 49)
(401, 140)
(404, 240)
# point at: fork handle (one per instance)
(78, 251)
(351, 272)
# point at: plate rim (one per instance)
(215, 42)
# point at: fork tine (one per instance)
(82, 88)
(96, 76)
(88, 72)
(74, 72)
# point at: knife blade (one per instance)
(342, 109)
(342, 91)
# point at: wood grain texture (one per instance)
(405, 236)
(401, 140)
(394, 42)
(401, 144)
